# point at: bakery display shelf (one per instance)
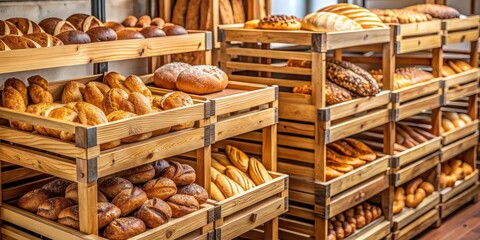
(426, 220)
(469, 195)
(449, 193)
(70, 55)
(453, 149)
(413, 154)
(459, 133)
(460, 85)
(459, 30)
(413, 107)
(240, 108)
(413, 37)
(409, 215)
(414, 169)
(377, 229)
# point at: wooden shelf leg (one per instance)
(87, 202)
(271, 229)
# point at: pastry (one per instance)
(327, 22)
(280, 22)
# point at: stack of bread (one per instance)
(345, 155)
(346, 223)
(404, 77)
(414, 193)
(345, 80)
(91, 104)
(453, 171)
(200, 79)
(144, 27)
(147, 196)
(234, 172)
(455, 66)
(453, 120)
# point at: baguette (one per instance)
(227, 186)
(193, 15)
(332, 173)
(467, 119)
(334, 156)
(237, 157)
(399, 148)
(226, 12)
(340, 167)
(214, 174)
(204, 11)
(215, 192)
(238, 11)
(424, 133)
(221, 158)
(365, 152)
(258, 173)
(178, 16)
(239, 177)
(218, 166)
(416, 136)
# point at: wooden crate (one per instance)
(459, 30)
(462, 145)
(413, 37)
(470, 194)
(419, 225)
(70, 55)
(415, 169)
(10, 232)
(460, 85)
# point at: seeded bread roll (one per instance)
(26, 26)
(280, 22)
(152, 31)
(182, 205)
(113, 186)
(55, 26)
(154, 212)
(202, 79)
(84, 22)
(44, 39)
(51, 207)
(74, 37)
(115, 26)
(166, 75)
(8, 28)
(129, 34)
(101, 34)
(124, 228)
(130, 21)
(31, 200)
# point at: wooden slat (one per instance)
(9, 232)
(244, 123)
(413, 170)
(461, 92)
(422, 223)
(377, 229)
(243, 101)
(460, 186)
(270, 53)
(413, 29)
(460, 37)
(460, 200)
(358, 124)
(269, 81)
(409, 215)
(451, 136)
(461, 78)
(296, 128)
(418, 44)
(18, 174)
(269, 36)
(417, 106)
(337, 40)
(458, 147)
(17, 191)
(358, 105)
(417, 90)
(268, 68)
(297, 112)
(419, 151)
(460, 23)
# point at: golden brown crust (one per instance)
(135, 84)
(182, 205)
(112, 186)
(327, 22)
(73, 92)
(336, 157)
(159, 22)
(115, 80)
(8, 28)
(65, 114)
(44, 39)
(141, 103)
(202, 79)
(166, 75)
(358, 14)
(215, 192)
(115, 26)
(152, 31)
(435, 10)
(129, 34)
(280, 22)
(252, 24)
(124, 228)
(154, 212)
(194, 190)
(192, 17)
(74, 37)
(95, 92)
(172, 30)
(32, 199)
(18, 85)
(237, 157)
(107, 212)
(18, 42)
(181, 174)
(101, 34)
(140, 174)
(26, 26)
(130, 200)
(179, 10)
(258, 172)
(130, 21)
(143, 21)
(117, 100)
(12, 99)
(51, 207)
(84, 22)
(239, 177)
(161, 188)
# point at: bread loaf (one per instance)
(340, 167)
(115, 80)
(129, 34)
(51, 207)
(179, 10)
(160, 166)
(252, 24)
(13, 42)
(192, 17)
(140, 174)
(3, 46)
(181, 174)
(362, 16)
(130, 21)
(41, 109)
(154, 212)
(31, 200)
(70, 217)
(280, 22)
(226, 12)
(113, 186)
(129, 200)
(202, 79)
(327, 22)
(124, 228)
(334, 156)
(101, 34)
(8, 28)
(95, 92)
(215, 192)
(55, 26)
(218, 166)
(18, 85)
(175, 100)
(107, 212)
(143, 21)
(84, 22)
(73, 92)
(161, 188)
(166, 75)
(435, 10)
(115, 100)
(12, 99)
(74, 37)
(44, 39)
(115, 26)
(239, 177)
(464, 66)
(65, 114)
(351, 73)
(152, 31)
(221, 158)
(258, 173)
(238, 11)
(237, 157)
(227, 186)
(354, 148)
(25, 26)
(71, 193)
(182, 205)
(135, 84)
(172, 30)
(195, 191)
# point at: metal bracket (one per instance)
(217, 212)
(211, 215)
(87, 170)
(276, 115)
(326, 213)
(327, 135)
(393, 115)
(211, 235)
(443, 100)
(286, 183)
(323, 114)
(397, 47)
(394, 162)
(212, 108)
(277, 89)
(221, 36)
(286, 204)
(209, 135)
(441, 84)
(394, 97)
(218, 233)
(319, 42)
(208, 41)
(85, 137)
(394, 178)
(322, 193)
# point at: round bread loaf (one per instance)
(140, 174)
(130, 200)
(130, 21)
(74, 37)
(117, 100)
(8, 28)
(175, 100)
(107, 212)
(143, 21)
(113, 186)
(31, 200)
(65, 114)
(71, 193)
(25, 26)
(101, 34)
(115, 80)
(194, 190)
(135, 84)
(3, 46)
(142, 104)
(166, 75)
(159, 22)
(73, 92)
(18, 42)
(70, 217)
(114, 25)
(129, 34)
(55, 26)
(202, 79)
(182, 205)
(154, 213)
(57, 187)
(160, 166)
(280, 22)
(172, 30)
(160, 188)
(181, 174)
(51, 207)
(95, 92)
(84, 22)
(124, 228)
(152, 31)
(44, 39)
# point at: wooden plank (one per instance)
(417, 106)
(88, 215)
(458, 147)
(409, 215)
(18, 174)
(418, 44)
(451, 136)
(20, 189)
(377, 229)
(460, 23)
(136, 154)
(358, 105)
(413, 29)
(296, 128)
(419, 151)
(422, 223)
(70, 55)
(344, 39)
(269, 81)
(450, 192)
(245, 123)
(417, 90)
(268, 68)
(462, 91)
(270, 53)
(269, 36)
(296, 226)
(298, 112)
(460, 200)
(9, 232)
(358, 124)
(241, 101)
(413, 170)
(295, 98)
(460, 37)
(39, 161)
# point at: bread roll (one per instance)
(181, 174)
(101, 34)
(464, 66)
(51, 207)
(44, 39)
(41, 109)
(194, 190)
(140, 174)
(38, 90)
(399, 194)
(129, 34)
(398, 206)
(26, 26)
(65, 114)
(166, 75)
(113, 186)
(464, 117)
(202, 79)
(447, 71)
(160, 166)
(71, 193)
(154, 212)
(84, 22)
(467, 169)
(227, 186)
(57, 187)
(8, 28)
(55, 26)
(13, 99)
(141, 103)
(158, 22)
(172, 30)
(95, 92)
(182, 205)
(152, 31)
(70, 217)
(31, 200)
(130, 200)
(18, 42)
(447, 125)
(238, 158)
(115, 26)
(215, 192)
(239, 177)
(143, 21)
(73, 92)
(89, 114)
(74, 37)
(18, 85)
(116, 105)
(161, 187)
(135, 84)
(130, 21)
(453, 66)
(327, 22)
(107, 212)
(175, 100)
(124, 228)
(413, 185)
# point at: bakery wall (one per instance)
(37, 10)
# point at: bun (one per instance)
(195, 191)
(25, 26)
(107, 212)
(55, 26)
(202, 79)
(84, 22)
(18, 85)
(51, 207)
(159, 22)
(124, 228)
(115, 80)
(172, 30)
(95, 92)
(38, 90)
(326, 22)
(280, 22)
(130, 200)
(73, 92)
(135, 84)
(130, 21)
(141, 103)
(73, 37)
(160, 166)
(65, 114)
(31, 200)
(113, 186)
(41, 109)
(18, 42)
(71, 193)
(129, 34)
(8, 28)
(181, 174)
(116, 100)
(161, 187)
(152, 31)
(447, 125)
(182, 205)
(154, 212)
(140, 174)
(175, 100)
(70, 217)
(458, 123)
(57, 187)
(101, 34)
(143, 21)
(257, 172)
(114, 26)
(166, 75)
(44, 39)
(239, 177)
(362, 16)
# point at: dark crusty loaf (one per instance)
(74, 37)
(26, 26)
(84, 22)
(352, 79)
(435, 10)
(100, 34)
(124, 228)
(154, 213)
(19, 42)
(44, 39)
(55, 26)
(8, 28)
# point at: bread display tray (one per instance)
(377, 229)
(460, 186)
(413, 170)
(455, 148)
(10, 232)
(412, 154)
(470, 194)
(409, 215)
(460, 85)
(419, 225)
(460, 30)
(412, 37)
(70, 55)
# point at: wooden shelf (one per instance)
(414, 37)
(459, 30)
(407, 173)
(409, 215)
(419, 225)
(470, 194)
